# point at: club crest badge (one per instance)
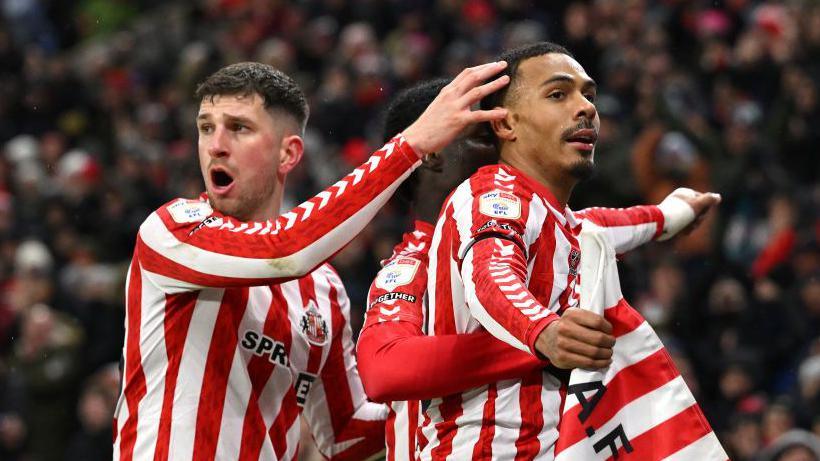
(313, 325)
(574, 259)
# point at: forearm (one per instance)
(397, 362)
(190, 242)
(627, 228)
(494, 271)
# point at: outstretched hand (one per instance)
(451, 111)
(701, 203)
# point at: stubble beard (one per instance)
(582, 169)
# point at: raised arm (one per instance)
(192, 246)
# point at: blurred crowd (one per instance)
(97, 129)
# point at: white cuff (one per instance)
(677, 214)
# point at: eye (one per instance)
(239, 127)
(557, 94)
(206, 128)
(590, 97)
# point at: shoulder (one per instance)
(182, 212)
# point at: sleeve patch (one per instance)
(500, 204)
(186, 211)
(397, 272)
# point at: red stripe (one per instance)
(450, 409)
(334, 374)
(260, 369)
(444, 319)
(412, 427)
(157, 263)
(284, 420)
(390, 434)
(629, 384)
(623, 317)
(179, 308)
(532, 416)
(134, 381)
(666, 438)
(483, 449)
(543, 272)
(217, 371)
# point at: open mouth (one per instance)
(221, 178)
(583, 139)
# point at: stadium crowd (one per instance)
(96, 130)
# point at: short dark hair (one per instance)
(404, 109)
(409, 104)
(514, 57)
(277, 89)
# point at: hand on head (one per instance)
(451, 111)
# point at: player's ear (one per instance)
(504, 129)
(290, 152)
(433, 161)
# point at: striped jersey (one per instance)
(222, 351)
(504, 257)
(397, 294)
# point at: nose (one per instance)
(586, 109)
(218, 146)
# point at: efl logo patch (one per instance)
(500, 204)
(396, 273)
(186, 211)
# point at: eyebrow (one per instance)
(228, 117)
(586, 83)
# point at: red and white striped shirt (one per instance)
(399, 364)
(397, 294)
(505, 258)
(213, 368)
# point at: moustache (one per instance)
(582, 125)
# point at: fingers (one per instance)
(477, 94)
(588, 319)
(471, 77)
(477, 116)
(567, 360)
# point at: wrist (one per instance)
(677, 214)
(537, 335)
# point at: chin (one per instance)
(582, 169)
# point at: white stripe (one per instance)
(401, 427)
(508, 288)
(292, 436)
(639, 416)
(480, 312)
(468, 424)
(191, 372)
(526, 303)
(509, 278)
(429, 429)
(121, 412)
(551, 407)
(706, 448)
(358, 173)
(518, 296)
(308, 207)
(629, 237)
(240, 228)
(154, 365)
(507, 419)
(629, 349)
(239, 388)
(325, 196)
(256, 227)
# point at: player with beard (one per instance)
(504, 258)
